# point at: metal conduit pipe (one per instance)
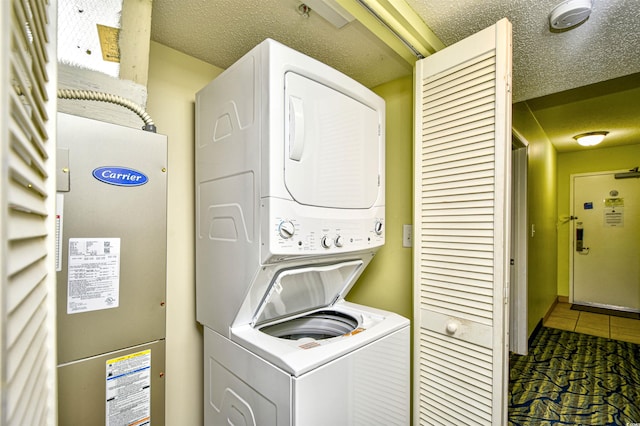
(108, 97)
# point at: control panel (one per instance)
(292, 233)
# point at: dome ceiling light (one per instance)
(590, 138)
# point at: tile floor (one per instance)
(625, 329)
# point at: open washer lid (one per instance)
(301, 289)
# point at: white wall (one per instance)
(174, 78)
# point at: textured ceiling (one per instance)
(613, 106)
(605, 47)
(221, 31)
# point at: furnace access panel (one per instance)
(111, 263)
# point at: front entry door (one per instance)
(606, 241)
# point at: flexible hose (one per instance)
(108, 97)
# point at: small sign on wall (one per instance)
(614, 212)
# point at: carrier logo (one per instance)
(120, 176)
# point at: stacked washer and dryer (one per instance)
(289, 212)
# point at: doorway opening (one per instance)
(518, 338)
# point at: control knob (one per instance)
(339, 241)
(378, 227)
(326, 242)
(286, 229)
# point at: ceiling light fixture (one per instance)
(331, 11)
(590, 138)
(569, 14)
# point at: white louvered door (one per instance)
(27, 221)
(461, 217)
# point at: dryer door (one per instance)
(333, 146)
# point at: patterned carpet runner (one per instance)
(575, 379)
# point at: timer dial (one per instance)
(286, 229)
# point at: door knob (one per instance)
(452, 327)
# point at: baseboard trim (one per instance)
(534, 333)
(551, 308)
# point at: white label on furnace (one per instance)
(128, 392)
(93, 275)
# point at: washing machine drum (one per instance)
(312, 290)
(319, 325)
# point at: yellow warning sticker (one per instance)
(126, 357)
(614, 202)
(128, 389)
(109, 43)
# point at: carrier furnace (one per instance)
(290, 210)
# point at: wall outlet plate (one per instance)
(407, 235)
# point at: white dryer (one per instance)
(289, 212)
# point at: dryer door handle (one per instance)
(296, 128)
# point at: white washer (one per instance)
(343, 365)
(289, 212)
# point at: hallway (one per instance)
(575, 379)
(564, 318)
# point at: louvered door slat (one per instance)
(22, 384)
(35, 45)
(24, 254)
(474, 154)
(457, 147)
(461, 230)
(38, 23)
(466, 78)
(29, 153)
(27, 265)
(463, 292)
(428, 180)
(26, 199)
(455, 72)
(24, 283)
(459, 138)
(468, 381)
(451, 285)
(454, 120)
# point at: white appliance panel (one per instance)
(245, 216)
(367, 385)
(332, 157)
(289, 212)
(242, 389)
(317, 231)
(300, 289)
(298, 357)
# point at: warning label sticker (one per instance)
(614, 212)
(93, 279)
(128, 390)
